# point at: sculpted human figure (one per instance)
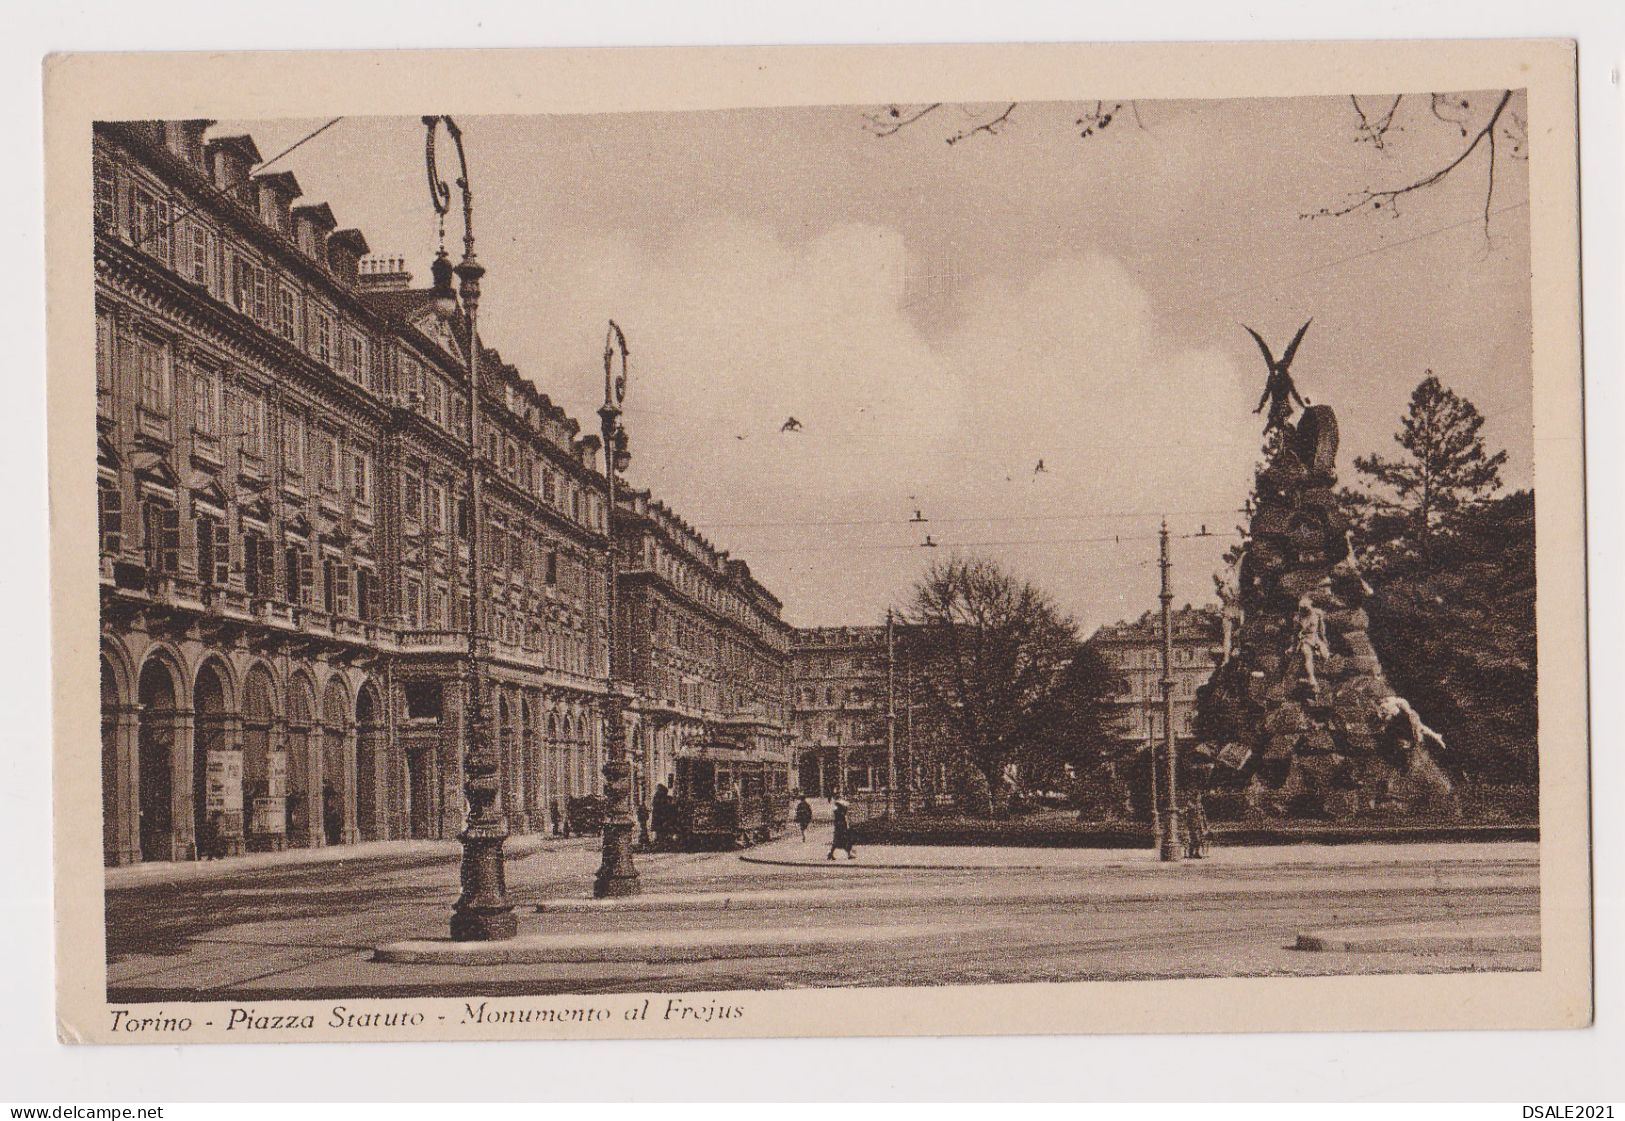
(1420, 733)
(1310, 638)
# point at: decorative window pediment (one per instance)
(207, 489)
(151, 467)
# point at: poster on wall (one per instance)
(223, 783)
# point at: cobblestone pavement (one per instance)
(307, 929)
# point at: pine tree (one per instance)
(1446, 469)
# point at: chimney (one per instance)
(311, 225)
(344, 252)
(384, 274)
(230, 158)
(277, 190)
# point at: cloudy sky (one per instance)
(770, 263)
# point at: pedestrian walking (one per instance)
(643, 823)
(1197, 832)
(804, 816)
(843, 832)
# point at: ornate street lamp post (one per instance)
(616, 875)
(482, 913)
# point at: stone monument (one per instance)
(1302, 715)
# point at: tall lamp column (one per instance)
(482, 913)
(617, 875)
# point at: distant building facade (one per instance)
(1133, 650)
(282, 430)
(706, 650)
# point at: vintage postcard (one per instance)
(796, 541)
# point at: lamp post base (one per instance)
(617, 876)
(483, 914)
(1170, 850)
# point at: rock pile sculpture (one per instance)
(1302, 715)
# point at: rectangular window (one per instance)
(257, 575)
(553, 568)
(412, 498)
(414, 604)
(286, 322)
(435, 511)
(104, 359)
(149, 224)
(336, 587)
(251, 423)
(301, 574)
(213, 551)
(497, 542)
(365, 596)
(242, 283)
(361, 477)
(262, 294)
(110, 517)
(435, 400)
(155, 376)
(327, 460)
(548, 494)
(201, 255)
(106, 193)
(324, 338)
(163, 533)
(206, 402)
(355, 357)
(293, 444)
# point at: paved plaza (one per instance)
(781, 916)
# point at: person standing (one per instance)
(661, 815)
(804, 816)
(843, 832)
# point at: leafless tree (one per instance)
(1091, 121)
(1500, 127)
(1502, 133)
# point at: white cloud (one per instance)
(734, 329)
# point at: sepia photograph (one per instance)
(590, 571)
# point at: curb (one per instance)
(232, 869)
(1096, 895)
(1496, 941)
(853, 865)
(654, 947)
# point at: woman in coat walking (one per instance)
(843, 832)
(804, 816)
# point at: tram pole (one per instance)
(891, 715)
(1170, 816)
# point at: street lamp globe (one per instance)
(442, 294)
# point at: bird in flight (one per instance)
(1040, 469)
(739, 437)
(790, 425)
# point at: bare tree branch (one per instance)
(893, 119)
(990, 127)
(1377, 199)
(1375, 132)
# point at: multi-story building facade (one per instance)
(1134, 652)
(707, 652)
(839, 692)
(282, 460)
